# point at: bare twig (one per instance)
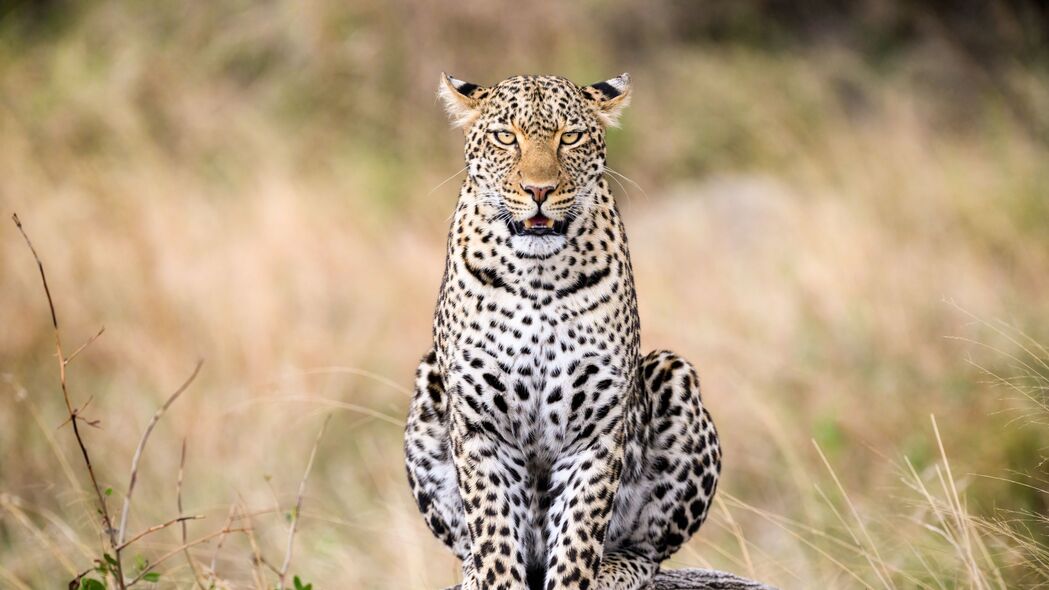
(178, 550)
(269, 565)
(74, 416)
(157, 527)
(283, 574)
(80, 349)
(230, 517)
(256, 555)
(178, 502)
(138, 454)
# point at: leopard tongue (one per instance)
(538, 221)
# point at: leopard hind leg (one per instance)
(428, 459)
(671, 467)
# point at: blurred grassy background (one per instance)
(841, 215)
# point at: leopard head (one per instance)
(535, 151)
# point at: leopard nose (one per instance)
(539, 193)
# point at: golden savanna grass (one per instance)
(851, 243)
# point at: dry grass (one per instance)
(844, 247)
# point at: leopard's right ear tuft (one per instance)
(461, 99)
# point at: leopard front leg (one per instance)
(583, 487)
(490, 478)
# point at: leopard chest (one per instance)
(548, 373)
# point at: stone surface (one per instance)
(698, 579)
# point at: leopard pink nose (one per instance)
(539, 193)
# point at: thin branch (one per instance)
(74, 417)
(40, 265)
(256, 555)
(229, 521)
(269, 565)
(157, 527)
(178, 503)
(85, 345)
(178, 550)
(142, 445)
(298, 506)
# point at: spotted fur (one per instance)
(541, 447)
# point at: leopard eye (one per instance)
(504, 137)
(571, 137)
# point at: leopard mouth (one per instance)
(538, 225)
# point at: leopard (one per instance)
(540, 446)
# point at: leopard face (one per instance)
(535, 153)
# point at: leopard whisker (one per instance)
(628, 179)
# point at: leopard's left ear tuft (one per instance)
(461, 99)
(610, 98)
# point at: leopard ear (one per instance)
(461, 99)
(610, 98)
